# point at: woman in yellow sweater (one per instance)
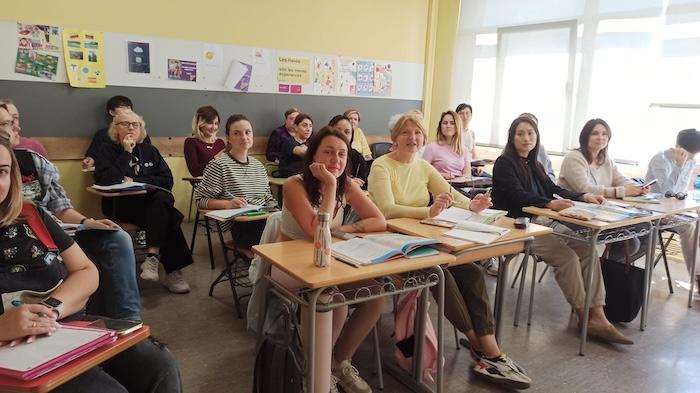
(400, 184)
(359, 141)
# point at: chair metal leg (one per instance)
(664, 247)
(532, 290)
(211, 252)
(378, 357)
(517, 274)
(523, 265)
(194, 230)
(546, 267)
(456, 338)
(189, 210)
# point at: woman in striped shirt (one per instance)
(234, 180)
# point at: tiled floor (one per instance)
(216, 353)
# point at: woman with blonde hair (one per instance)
(203, 145)
(359, 141)
(127, 160)
(447, 154)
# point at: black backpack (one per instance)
(279, 362)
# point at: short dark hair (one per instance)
(290, 111)
(117, 101)
(233, 119)
(301, 117)
(689, 139)
(462, 106)
(337, 119)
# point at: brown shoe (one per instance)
(607, 332)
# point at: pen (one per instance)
(252, 214)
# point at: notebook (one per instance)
(379, 248)
(226, 214)
(30, 361)
(452, 216)
(476, 232)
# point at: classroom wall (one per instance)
(387, 29)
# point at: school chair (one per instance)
(378, 149)
(202, 212)
(194, 182)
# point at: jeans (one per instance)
(143, 368)
(113, 253)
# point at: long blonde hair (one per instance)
(456, 142)
(11, 206)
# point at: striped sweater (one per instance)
(226, 178)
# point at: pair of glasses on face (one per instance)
(678, 195)
(129, 124)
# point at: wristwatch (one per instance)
(54, 304)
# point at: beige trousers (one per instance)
(685, 233)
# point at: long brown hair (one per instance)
(311, 183)
(511, 152)
(585, 135)
(11, 206)
(456, 142)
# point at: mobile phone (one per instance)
(120, 326)
(649, 183)
(341, 234)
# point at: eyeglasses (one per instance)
(129, 124)
(678, 195)
(7, 124)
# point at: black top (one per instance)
(26, 264)
(144, 164)
(290, 163)
(513, 189)
(100, 138)
(357, 166)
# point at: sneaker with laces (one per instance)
(334, 384)
(476, 355)
(149, 268)
(349, 378)
(176, 283)
(504, 371)
(492, 267)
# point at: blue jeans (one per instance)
(143, 368)
(113, 253)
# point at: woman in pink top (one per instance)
(203, 145)
(447, 154)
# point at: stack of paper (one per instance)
(227, 214)
(477, 232)
(455, 215)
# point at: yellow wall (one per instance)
(382, 29)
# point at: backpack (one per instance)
(405, 339)
(279, 361)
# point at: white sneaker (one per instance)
(149, 268)
(176, 283)
(349, 378)
(334, 384)
(490, 266)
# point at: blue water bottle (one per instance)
(696, 189)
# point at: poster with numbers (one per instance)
(365, 78)
(382, 79)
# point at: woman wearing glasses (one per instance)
(126, 160)
(203, 145)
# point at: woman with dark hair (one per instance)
(127, 159)
(235, 179)
(203, 145)
(519, 180)
(447, 154)
(590, 169)
(293, 150)
(325, 187)
(357, 166)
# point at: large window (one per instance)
(633, 63)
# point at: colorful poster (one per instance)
(292, 70)
(139, 55)
(346, 77)
(83, 52)
(365, 78)
(238, 78)
(325, 74)
(34, 63)
(382, 79)
(182, 70)
(39, 37)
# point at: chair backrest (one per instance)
(379, 149)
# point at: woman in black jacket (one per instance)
(519, 180)
(127, 160)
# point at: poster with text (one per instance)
(292, 70)
(35, 63)
(365, 78)
(238, 78)
(83, 52)
(325, 75)
(182, 70)
(346, 77)
(39, 37)
(382, 79)
(139, 55)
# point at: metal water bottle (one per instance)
(322, 241)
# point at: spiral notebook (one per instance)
(30, 361)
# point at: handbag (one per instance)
(624, 286)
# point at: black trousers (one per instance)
(155, 212)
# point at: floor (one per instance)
(215, 352)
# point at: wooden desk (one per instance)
(464, 251)
(65, 373)
(295, 258)
(596, 227)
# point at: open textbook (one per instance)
(652, 197)
(476, 232)
(29, 361)
(379, 248)
(226, 214)
(452, 216)
(607, 212)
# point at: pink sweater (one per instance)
(445, 160)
